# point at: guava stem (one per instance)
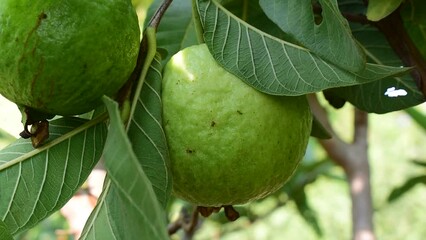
(158, 15)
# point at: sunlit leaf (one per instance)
(331, 39)
(147, 136)
(128, 206)
(34, 183)
(270, 64)
(379, 9)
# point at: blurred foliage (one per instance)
(54, 227)
(417, 116)
(420, 119)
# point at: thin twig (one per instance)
(186, 222)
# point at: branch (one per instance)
(353, 158)
(335, 147)
(186, 222)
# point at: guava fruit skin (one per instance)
(229, 143)
(61, 56)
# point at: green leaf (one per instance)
(34, 183)
(176, 30)
(252, 13)
(4, 232)
(114, 213)
(318, 130)
(128, 206)
(147, 136)
(412, 13)
(408, 185)
(417, 117)
(331, 39)
(375, 97)
(272, 65)
(305, 210)
(419, 163)
(306, 174)
(379, 9)
(102, 224)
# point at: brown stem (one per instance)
(156, 18)
(353, 158)
(186, 222)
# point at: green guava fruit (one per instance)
(61, 56)
(229, 143)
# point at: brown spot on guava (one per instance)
(190, 151)
(42, 16)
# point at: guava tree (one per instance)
(365, 53)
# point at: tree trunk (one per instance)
(353, 158)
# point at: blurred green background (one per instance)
(315, 204)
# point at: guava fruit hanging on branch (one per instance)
(61, 57)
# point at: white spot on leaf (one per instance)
(393, 92)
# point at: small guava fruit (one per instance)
(61, 56)
(229, 143)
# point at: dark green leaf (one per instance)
(318, 130)
(128, 206)
(334, 100)
(34, 183)
(419, 163)
(331, 39)
(270, 64)
(408, 185)
(378, 96)
(414, 17)
(147, 136)
(4, 232)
